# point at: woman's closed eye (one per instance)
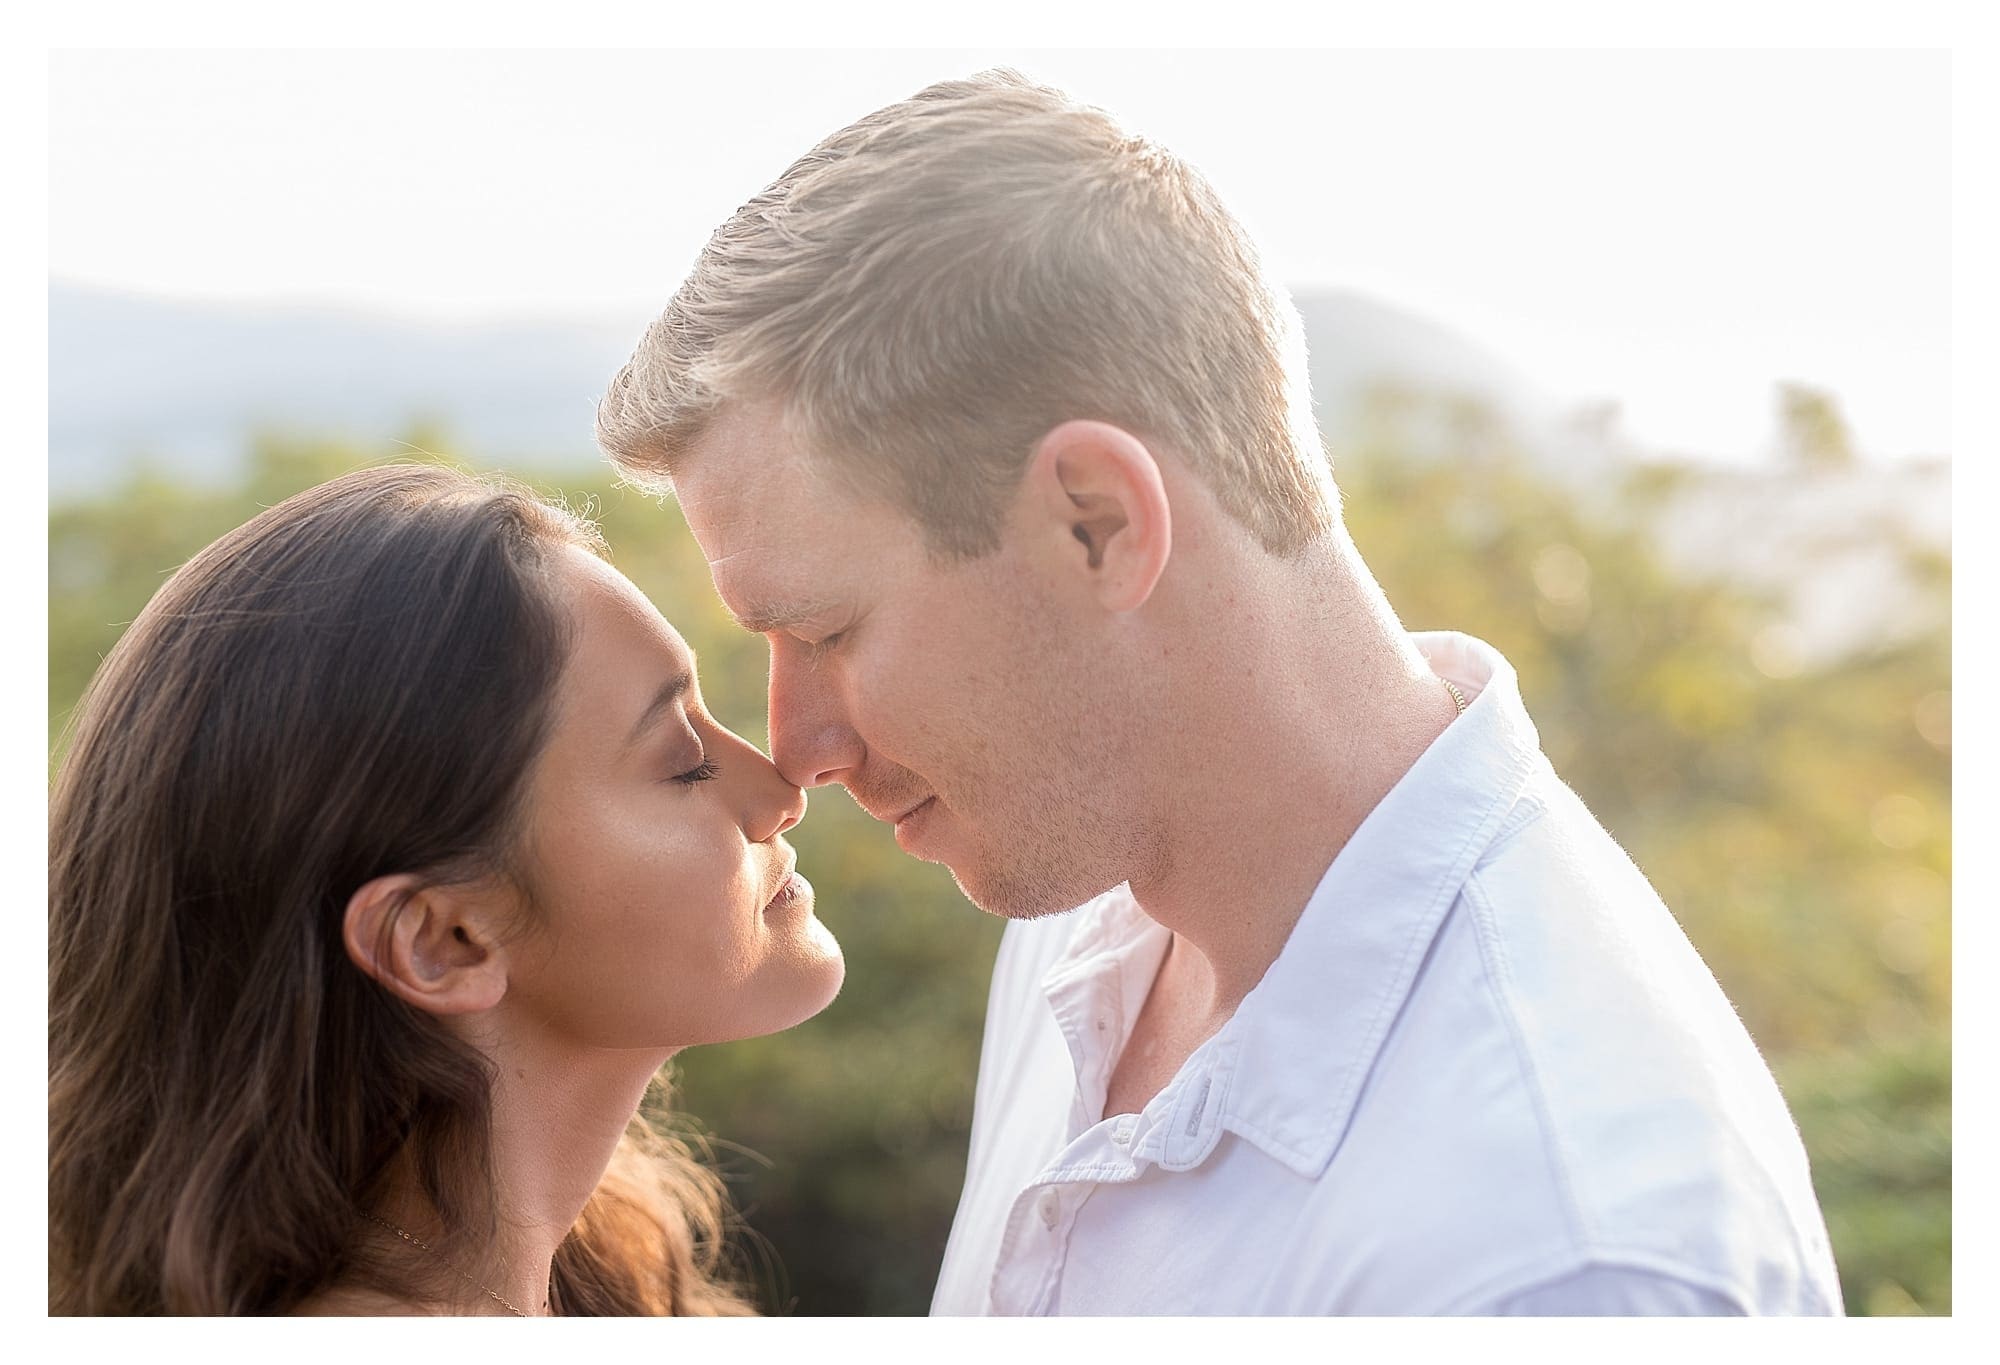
(701, 772)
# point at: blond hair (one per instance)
(935, 286)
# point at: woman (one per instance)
(393, 855)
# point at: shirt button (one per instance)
(1122, 1134)
(1051, 1207)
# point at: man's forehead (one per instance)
(744, 460)
(759, 510)
(744, 481)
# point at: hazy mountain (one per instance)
(180, 385)
(1355, 344)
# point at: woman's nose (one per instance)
(770, 804)
(792, 808)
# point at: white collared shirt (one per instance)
(1487, 1074)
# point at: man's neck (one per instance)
(1337, 708)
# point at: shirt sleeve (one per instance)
(1599, 1291)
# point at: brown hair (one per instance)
(935, 286)
(354, 683)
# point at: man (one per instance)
(985, 415)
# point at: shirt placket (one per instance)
(1028, 1270)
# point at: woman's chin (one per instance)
(828, 974)
(812, 976)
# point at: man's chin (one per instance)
(1016, 898)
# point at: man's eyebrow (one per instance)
(670, 692)
(765, 617)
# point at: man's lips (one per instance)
(912, 823)
(908, 811)
(887, 813)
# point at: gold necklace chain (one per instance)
(424, 1246)
(1457, 696)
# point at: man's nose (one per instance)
(812, 741)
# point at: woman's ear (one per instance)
(1098, 490)
(430, 945)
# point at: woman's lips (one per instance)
(795, 891)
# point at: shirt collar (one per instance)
(1287, 1069)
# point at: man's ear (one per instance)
(1098, 489)
(430, 945)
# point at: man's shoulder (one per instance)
(1571, 932)
(1662, 1135)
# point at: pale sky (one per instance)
(1675, 231)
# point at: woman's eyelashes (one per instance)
(701, 772)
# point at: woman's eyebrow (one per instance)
(670, 692)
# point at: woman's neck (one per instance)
(558, 1112)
